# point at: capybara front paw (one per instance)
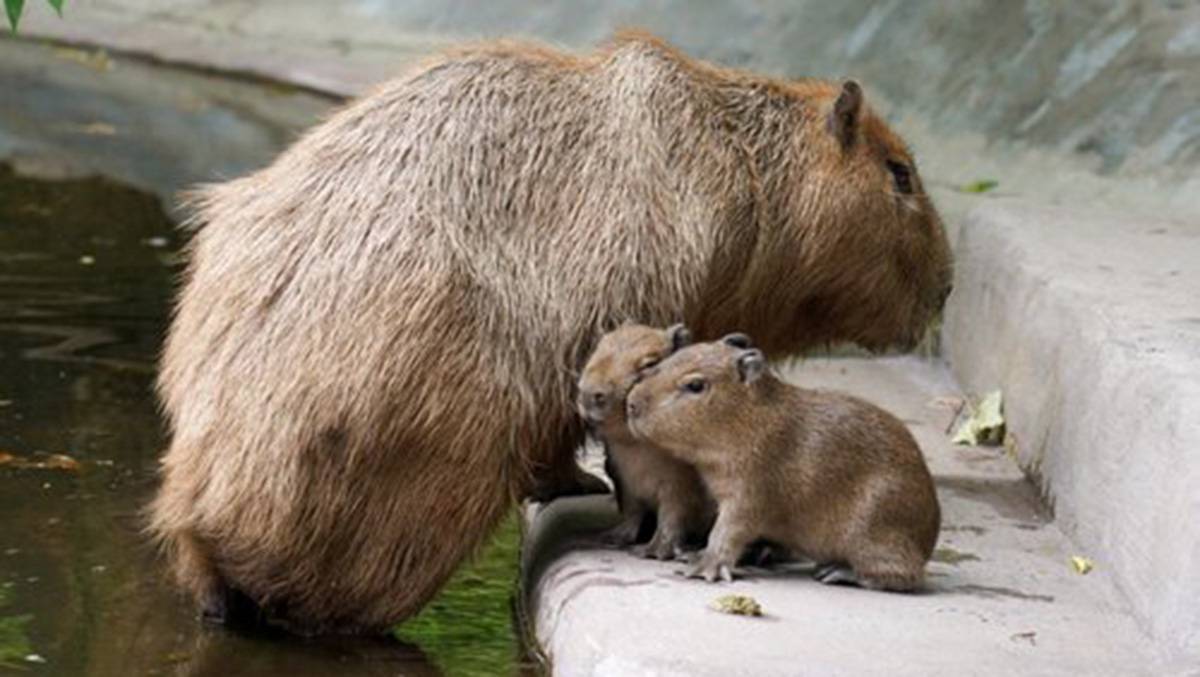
(711, 569)
(659, 548)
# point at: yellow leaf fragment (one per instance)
(1082, 564)
(738, 605)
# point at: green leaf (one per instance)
(980, 186)
(13, 9)
(57, 5)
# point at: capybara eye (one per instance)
(695, 385)
(902, 176)
(648, 362)
(737, 340)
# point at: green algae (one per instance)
(470, 629)
(14, 638)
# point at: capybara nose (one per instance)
(592, 403)
(633, 409)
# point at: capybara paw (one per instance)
(660, 549)
(835, 574)
(214, 608)
(711, 569)
(762, 554)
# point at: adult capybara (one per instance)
(374, 350)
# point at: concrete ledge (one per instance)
(1003, 597)
(1091, 326)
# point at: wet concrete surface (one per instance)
(70, 112)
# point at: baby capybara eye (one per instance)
(648, 363)
(695, 385)
(737, 340)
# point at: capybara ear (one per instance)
(751, 364)
(843, 120)
(737, 340)
(680, 336)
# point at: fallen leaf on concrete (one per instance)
(1082, 564)
(985, 425)
(97, 60)
(980, 186)
(947, 555)
(738, 605)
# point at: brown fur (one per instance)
(826, 475)
(651, 480)
(373, 351)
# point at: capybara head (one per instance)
(874, 265)
(699, 395)
(615, 365)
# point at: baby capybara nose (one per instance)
(633, 408)
(592, 402)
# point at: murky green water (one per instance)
(86, 272)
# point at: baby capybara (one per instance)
(826, 475)
(649, 479)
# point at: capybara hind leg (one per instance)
(894, 571)
(197, 573)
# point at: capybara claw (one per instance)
(711, 571)
(835, 574)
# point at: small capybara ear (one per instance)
(844, 119)
(680, 336)
(737, 340)
(750, 365)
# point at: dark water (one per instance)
(86, 273)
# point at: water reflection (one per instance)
(85, 279)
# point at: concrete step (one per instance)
(1090, 324)
(1003, 596)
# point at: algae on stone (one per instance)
(469, 628)
(14, 638)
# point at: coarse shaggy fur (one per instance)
(374, 349)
